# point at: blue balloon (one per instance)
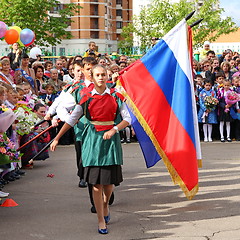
(26, 36)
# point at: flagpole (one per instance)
(34, 138)
(42, 121)
(42, 150)
(196, 23)
(189, 15)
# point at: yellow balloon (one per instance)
(18, 29)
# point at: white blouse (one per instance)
(77, 113)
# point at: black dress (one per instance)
(222, 115)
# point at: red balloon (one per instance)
(11, 36)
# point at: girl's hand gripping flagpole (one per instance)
(42, 121)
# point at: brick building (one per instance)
(100, 21)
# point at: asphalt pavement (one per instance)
(147, 205)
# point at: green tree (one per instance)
(126, 44)
(162, 15)
(36, 15)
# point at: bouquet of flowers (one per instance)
(210, 103)
(7, 117)
(48, 102)
(34, 100)
(26, 118)
(8, 152)
(231, 98)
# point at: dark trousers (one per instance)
(78, 148)
(236, 127)
(80, 171)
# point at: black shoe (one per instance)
(3, 181)
(122, 140)
(229, 139)
(222, 140)
(15, 175)
(20, 172)
(82, 184)
(8, 177)
(128, 141)
(111, 200)
(93, 209)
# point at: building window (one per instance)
(94, 23)
(119, 25)
(94, 9)
(62, 52)
(54, 51)
(119, 2)
(94, 34)
(69, 21)
(119, 12)
(57, 8)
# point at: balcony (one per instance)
(119, 31)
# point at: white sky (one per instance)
(232, 9)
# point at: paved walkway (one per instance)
(147, 204)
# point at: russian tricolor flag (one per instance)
(160, 93)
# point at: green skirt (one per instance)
(99, 152)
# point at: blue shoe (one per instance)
(107, 218)
(103, 231)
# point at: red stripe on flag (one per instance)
(170, 135)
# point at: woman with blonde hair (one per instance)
(5, 75)
(226, 67)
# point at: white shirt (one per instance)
(78, 111)
(60, 99)
(67, 104)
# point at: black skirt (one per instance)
(104, 175)
(224, 116)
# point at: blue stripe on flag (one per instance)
(164, 68)
(149, 151)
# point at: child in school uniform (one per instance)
(101, 150)
(49, 96)
(3, 94)
(236, 123)
(205, 115)
(219, 81)
(66, 102)
(223, 115)
(21, 93)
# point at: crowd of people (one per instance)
(217, 89)
(83, 87)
